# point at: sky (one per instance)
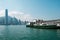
(31, 9)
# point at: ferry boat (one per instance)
(43, 26)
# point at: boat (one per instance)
(43, 26)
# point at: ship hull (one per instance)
(44, 26)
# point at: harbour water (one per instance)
(21, 32)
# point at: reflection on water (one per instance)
(20, 32)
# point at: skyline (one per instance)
(29, 9)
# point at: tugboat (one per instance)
(43, 25)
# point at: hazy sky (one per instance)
(42, 9)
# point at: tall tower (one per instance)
(6, 16)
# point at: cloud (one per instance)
(19, 15)
(2, 13)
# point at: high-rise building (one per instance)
(6, 16)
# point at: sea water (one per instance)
(21, 32)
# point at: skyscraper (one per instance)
(6, 16)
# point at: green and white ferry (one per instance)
(42, 25)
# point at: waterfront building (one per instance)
(6, 16)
